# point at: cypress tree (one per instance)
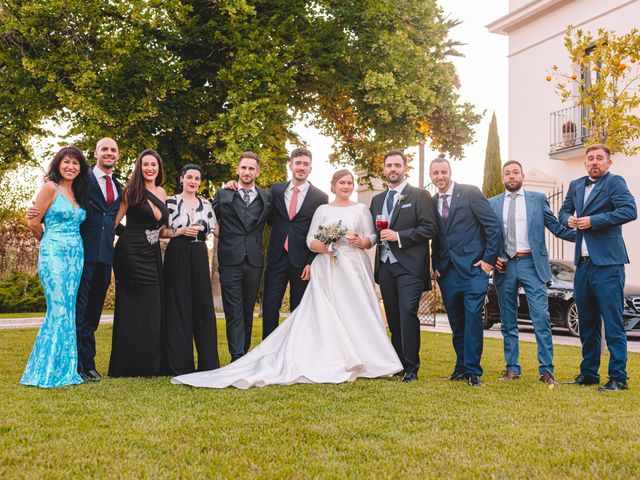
(492, 180)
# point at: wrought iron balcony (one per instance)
(567, 129)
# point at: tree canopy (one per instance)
(604, 82)
(202, 81)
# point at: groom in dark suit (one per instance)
(242, 215)
(598, 205)
(463, 254)
(98, 232)
(402, 258)
(288, 258)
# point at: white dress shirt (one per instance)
(302, 192)
(103, 183)
(522, 225)
(449, 194)
(398, 191)
(584, 251)
(253, 193)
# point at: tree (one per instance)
(604, 82)
(492, 180)
(202, 81)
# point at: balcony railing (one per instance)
(567, 129)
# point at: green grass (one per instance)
(148, 428)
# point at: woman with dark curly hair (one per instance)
(138, 319)
(61, 204)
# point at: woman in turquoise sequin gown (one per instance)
(54, 359)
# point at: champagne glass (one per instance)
(382, 223)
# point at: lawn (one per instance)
(148, 428)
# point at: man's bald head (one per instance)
(106, 154)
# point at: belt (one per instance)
(585, 258)
(522, 254)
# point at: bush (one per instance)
(21, 292)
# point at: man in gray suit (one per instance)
(525, 261)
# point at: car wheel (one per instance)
(571, 319)
(487, 321)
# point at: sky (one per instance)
(484, 77)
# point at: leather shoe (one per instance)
(474, 381)
(509, 375)
(547, 378)
(457, 376)
(582, 380)
(399, 374)
(94, 374)
(410, 377)
(613, 385)
(86, 378)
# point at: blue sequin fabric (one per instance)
(54, 359)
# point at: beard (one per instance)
(513, 188)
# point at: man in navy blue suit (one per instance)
(98, 232)
(463, 255)
(525, 261)
(598, 205)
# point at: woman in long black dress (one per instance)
(189, 311)
(138, 320)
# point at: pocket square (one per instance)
(406, 205)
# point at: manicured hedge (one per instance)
(21, 292)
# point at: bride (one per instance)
(337, 333)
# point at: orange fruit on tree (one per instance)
(596, 68)
(622, 66)
(548, 78)
(574, 76)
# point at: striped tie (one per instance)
(511, 245)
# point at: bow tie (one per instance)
(588, 182)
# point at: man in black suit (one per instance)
(402, 258)
(242, 215)
(98, 232)
(288, 258)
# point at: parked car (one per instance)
(562, 307)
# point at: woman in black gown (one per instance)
(138, 320)
(189, 311)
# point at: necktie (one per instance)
(292, 212)
(445, 209)
(110, 196)
(390, 197)
(511, 245)
(245, 196)
(588, 182)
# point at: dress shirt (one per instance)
(253, 193)
(398, 191)
(522, 225)
(449, 194)
(103, 183)
(587, 191)
(302, 192)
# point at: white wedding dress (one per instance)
(336, 334)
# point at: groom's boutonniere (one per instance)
(401, 198)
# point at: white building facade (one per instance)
(544, 133)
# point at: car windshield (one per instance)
(562, 271)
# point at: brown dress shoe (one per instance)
(547, 378)
(509, 375)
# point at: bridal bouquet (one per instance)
(330, 234)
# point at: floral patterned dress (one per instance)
(54, 359)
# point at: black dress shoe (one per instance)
(613, 385)
(399, 374)
(410, 377)
(94, 374)
(474, 381)
(88, 379)
(457, 376)
(582, 380)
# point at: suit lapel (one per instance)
(397, 206)
(455, 200)
(579, 204)
(97, 190)
(265, 206)
(528, 201)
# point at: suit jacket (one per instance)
(98, 230)
(539, 216)
(610, 205)
(237, 239)
(414, 219)
(296, 228)
(472, 233)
